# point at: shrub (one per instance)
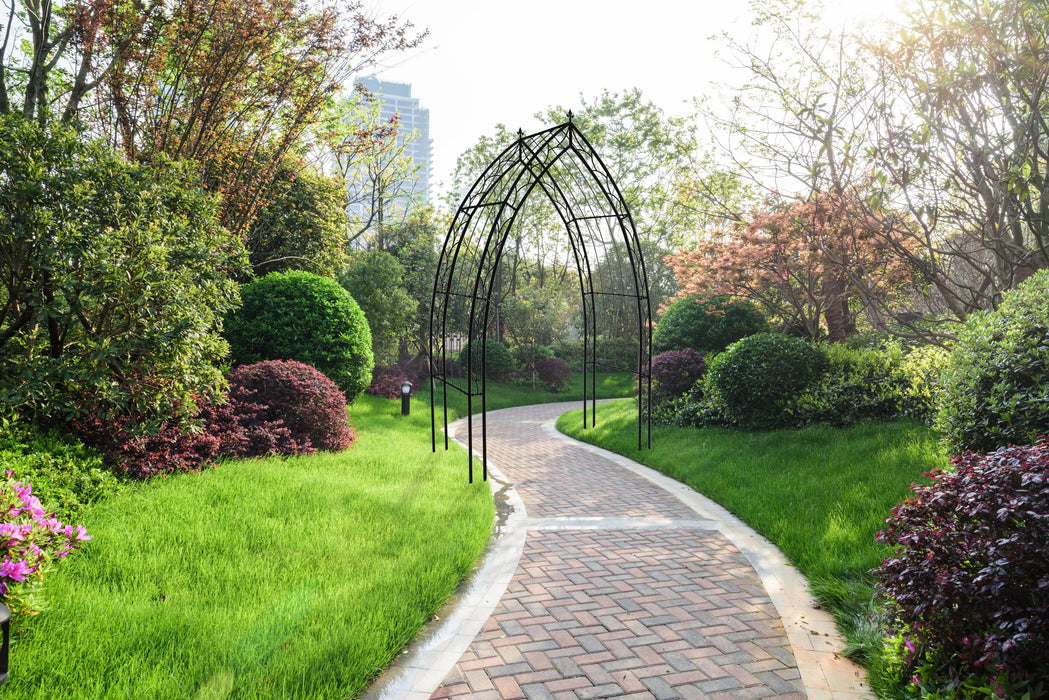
(708, 325)
(498, 360)
(754, 380)
(305, 401)
(67, 476)
(968, 585)
(30, 540)
(613, 354)
(870, 384)
(387, 381)
(675, 372)
(554, 373)
(996, 384)
(300, 316)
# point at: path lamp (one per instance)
(5, 623)
(406, 397)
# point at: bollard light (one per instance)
(5, 624)
(406, 397)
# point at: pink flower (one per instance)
(11, 530)
(14, 570)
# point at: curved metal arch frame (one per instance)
(558, 162)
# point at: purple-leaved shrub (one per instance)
(968, 585)
(675, 372)
(554, 373)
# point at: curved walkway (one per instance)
(608, 579)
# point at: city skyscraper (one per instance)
(396, 98)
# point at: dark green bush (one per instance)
(706, 325)
(755, 379)
(301, 316)
(871, 384)
(996, 384)
(66, 476)
(613, 354)
(499, 363)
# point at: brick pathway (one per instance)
(621, 589)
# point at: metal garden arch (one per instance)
(563, 166)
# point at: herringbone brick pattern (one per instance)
(624, 613)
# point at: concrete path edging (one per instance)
(811, 632)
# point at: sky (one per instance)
(487, 62)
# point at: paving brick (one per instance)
(602, 612)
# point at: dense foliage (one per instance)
(66, 476)
(996, 385)
(968, 585)
(109, 272)
(375, 279)
(387, 381)
(300, 316)
(299, 397)
(554, 373)
(498, 362)
(708, 325)
(676, 372)
(752, 382)
(884, 383)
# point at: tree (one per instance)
(115, 277)
(799, 261)
(303, 227)
(375, 280)
(232, 86)
(381, 176)
(962, 146)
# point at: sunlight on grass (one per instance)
(819, 494)
(298, 577)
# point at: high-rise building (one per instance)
(396, 98)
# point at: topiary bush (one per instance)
(554, 373)
(752, 383)
(676, 372)
(708, 325)
(305, 402)
(300, 316)
(968, 584)
(499, 363)
(996, 384)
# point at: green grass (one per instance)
(274, 578)
(819, 494)
(611, 385)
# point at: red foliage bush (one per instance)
(675, 372)
(969, 582)
(554, 372)
(305, 401)
(386, 382)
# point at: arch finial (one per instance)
(570, 116)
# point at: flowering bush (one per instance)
(30, 540)
(553, 372)
(305, 402)
(968, 585)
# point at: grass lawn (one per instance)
(820, 494)
(273, 578)
(610, 385)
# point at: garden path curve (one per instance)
(608, 579)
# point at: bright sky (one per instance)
(492, 61)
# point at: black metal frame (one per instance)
(564, 166)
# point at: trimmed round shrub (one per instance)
(304, 401)
(708, 325)
(996, 384)
(754, 380)
(304, 317)
(968, 584)
(498, 360)
(676, 372)
(554, 373)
